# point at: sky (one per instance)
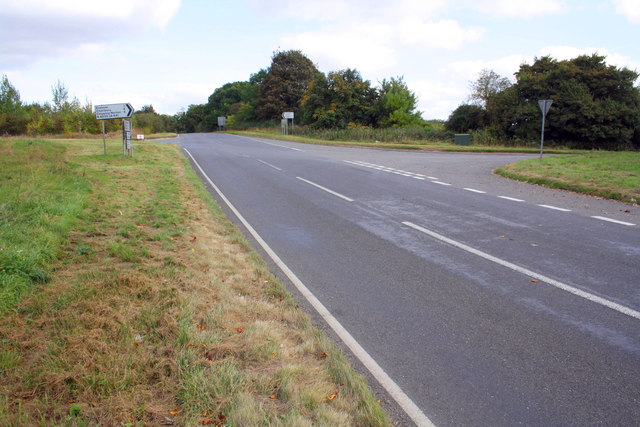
(173, 53)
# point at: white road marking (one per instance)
(325, 189)
(441, 183)
(567, 288)
(613, 220)
(269, 164)
(405, 402)
(473, 190)
(555, 208)
(511, 198)
(390, 170)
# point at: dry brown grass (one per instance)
(159, 312)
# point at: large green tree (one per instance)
(339, 99)
(396, 105)
(594, 105)
(284, 84)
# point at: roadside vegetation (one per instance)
(613, 175)
(129, 299)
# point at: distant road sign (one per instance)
(113, 111)
(544, 105)
(287, 115)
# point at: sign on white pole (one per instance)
(113, 111)
(287, 115)
(222, 122)
(544, 105)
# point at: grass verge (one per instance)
(434, 145)
(609, 174)
(152, 308)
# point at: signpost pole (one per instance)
(104, 141)
(544, 105)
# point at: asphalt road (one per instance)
(488, 302)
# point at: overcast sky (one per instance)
(172, 53)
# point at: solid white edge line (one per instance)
(613, 220)
(578, 292)
(269, 164)
(376, 370)
(325, 189)
(511, 198)
(555, 208)
(473, 190)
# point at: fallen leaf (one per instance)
(222, 418)
(193, 239)
(175, 411)
(503, 235)
(72, 401)
(206, 413)
(240, 330)
(201, 326)
(332, 396)
(323, 355)
(534, 281)
(273, 396)
(206, 421)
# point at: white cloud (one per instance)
(33, 29)
(445, 34)
(365, 47)
(629, 8)
(520, 8)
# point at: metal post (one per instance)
(104, 141)
(542, 137)
(124, 141)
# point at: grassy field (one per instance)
(608, 174)
(127, 298)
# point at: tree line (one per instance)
(334, 100)
(66, 116)
(595, 105)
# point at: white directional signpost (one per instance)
(544, 105)
(117, 111)
(285, 122)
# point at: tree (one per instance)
(13, 117)
(465, 118)
(60, 95)
(487, 85)
(337, 100)
(595, 105)
(284, 84)
(396, 105)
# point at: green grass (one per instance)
(427, 144)
(151, 304)
(608, 174)
(41, 195)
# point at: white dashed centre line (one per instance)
(602, 218)
(511, 198)
(269, 164)
(555, 208)
(473, 190)
(325, 189)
